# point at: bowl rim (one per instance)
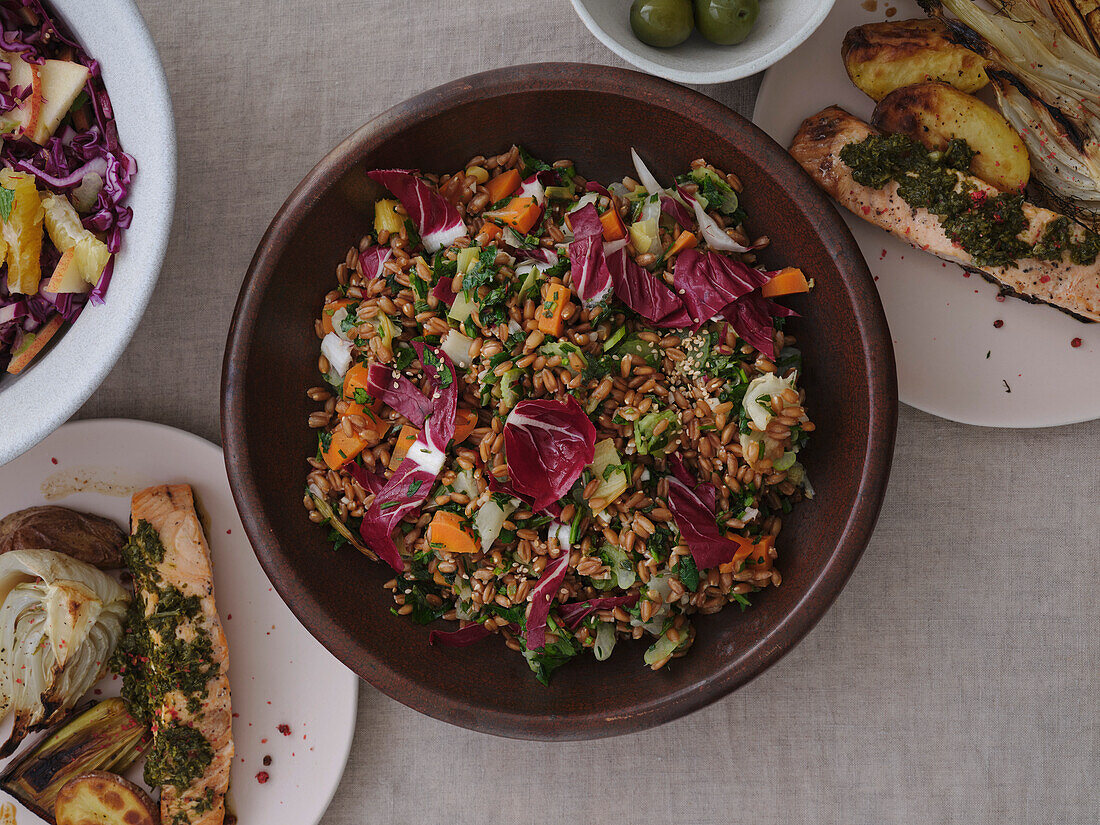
(33, 396)
(295, 590)
(735, 72)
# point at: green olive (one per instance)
(726, 22)
(661, 23)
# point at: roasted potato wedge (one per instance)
(101, 798)
(881, 57)
(934, 113)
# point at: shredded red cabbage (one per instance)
(63, 163)
(646, 293)
(412, 481)
(436, 219)
(574, 613)
(547, 444)
(542, 594)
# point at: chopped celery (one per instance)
(615, 338)
(605, 641)
(638, 348)
(559, 193)
(467, 257)
(563, 349)
(462, 308)
(614, 484)
(386, 218)
(509, 391)
(664, 647)
(644, 439)
(621, 565)
(784, 462)
(714, 192)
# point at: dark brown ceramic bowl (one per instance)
(592, 114)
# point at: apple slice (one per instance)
(33, 344)
(67, 276)
(22, 75)
(61, 81)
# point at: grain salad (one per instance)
(564, 413)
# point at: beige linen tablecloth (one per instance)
(957, 677)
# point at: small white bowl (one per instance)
(781, 26)
(34, 403)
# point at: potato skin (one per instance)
(881, 57)
(92, 539)
(934, 113)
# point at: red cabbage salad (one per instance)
(564, 413)
(63, 180)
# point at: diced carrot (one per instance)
(519, 213)
(613, 229)
(744, 550)
(343, 448)
(761, 558)
(489, 232)
(554, 302)
(465, 421)
(405, 440)
(685, 240)
(752, 554)
(356, 379)
(503, 185)
(786, 282)
(448, 531)
(329, 310)
(376, 427)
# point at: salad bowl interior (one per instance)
(592, 115)
(75, 362)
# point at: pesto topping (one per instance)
(154, 660)
(179, 755)
(986, 226)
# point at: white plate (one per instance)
(278, 673)
(57, 382)
(952, 361)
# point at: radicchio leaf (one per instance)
(591, 276)
(708, 283)
(463, 637)
(697, 525)
(645, 177)
(371, 482)
(677, 211)
(542, 594)
(751, 318)
(372, 261)
(398, 392)
(436, 219)
(574, 613)
(705, 490)
(646, 293)
(547, 444)
(412, 481)
(444, 292)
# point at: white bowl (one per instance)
(52, 388)
(781, 26)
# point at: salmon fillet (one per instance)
(170, 510)
(1071, 287)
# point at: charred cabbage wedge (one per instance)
(60, 620)
(1047, 86)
